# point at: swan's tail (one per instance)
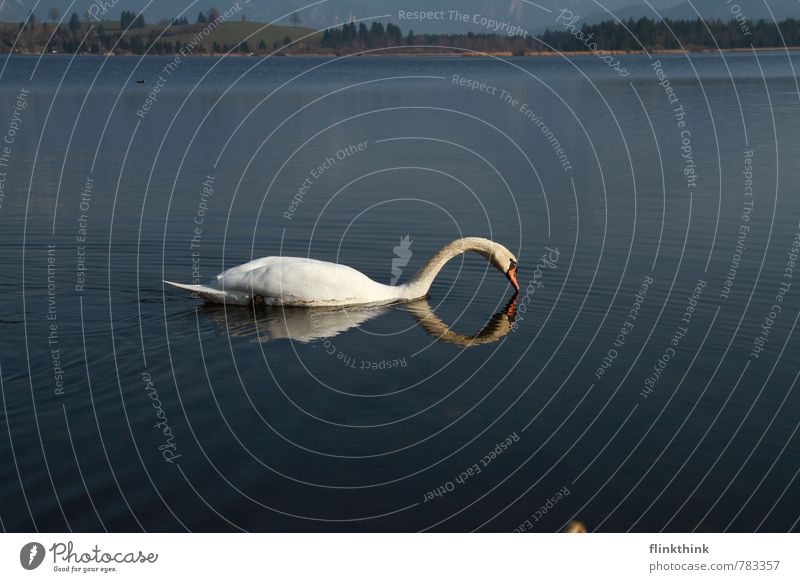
(213, 295)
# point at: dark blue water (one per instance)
(648, 381)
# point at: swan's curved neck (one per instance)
(421, 282)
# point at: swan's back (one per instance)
(302, 281)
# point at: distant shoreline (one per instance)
(219, 35)
(469, 53)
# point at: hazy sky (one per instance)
(318, 14)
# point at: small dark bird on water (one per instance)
(140, 81)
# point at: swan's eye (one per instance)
(513, 265)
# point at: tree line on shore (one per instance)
(133, 36)
(627, 35)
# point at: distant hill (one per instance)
(635, 11)
(518, 12)
(232, 37)
(752, 10)
(105, 35)
(230, 33)
(335, 12)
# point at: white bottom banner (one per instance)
(400, 557)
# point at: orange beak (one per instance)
(512, 276)
(511, 308)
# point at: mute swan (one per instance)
(296, 281)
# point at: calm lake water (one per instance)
(647, 382)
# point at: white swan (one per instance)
(304, 282)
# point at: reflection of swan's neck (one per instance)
(496, 328)
(421, 283)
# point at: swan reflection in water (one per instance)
(307, 324)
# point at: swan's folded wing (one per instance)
(245, 268)
(303, 282)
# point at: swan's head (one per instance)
(505, 261)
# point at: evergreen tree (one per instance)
(376, 31)
(394, 33)
(137, 45)
(74, 23)
(349, 33)
(126, 19)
